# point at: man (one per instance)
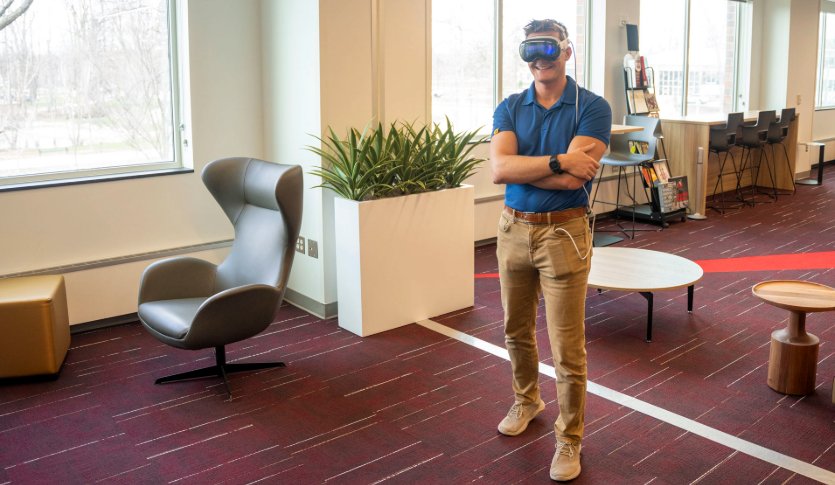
(546, 146)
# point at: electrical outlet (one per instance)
(300, 244)
(312, 248)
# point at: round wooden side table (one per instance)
(793, 360)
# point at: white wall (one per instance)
(773, 39)
(290, 37)
(75, 224)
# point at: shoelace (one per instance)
(515, 410)
(565, 448)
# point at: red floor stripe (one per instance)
(774, 262)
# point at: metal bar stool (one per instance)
(721, 139)
(754, 137)
(777, 132)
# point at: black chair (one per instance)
(777, 132)
(753, 137)
(621, 155)
(721, 139)
(193, 304)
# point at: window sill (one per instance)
(93, 179)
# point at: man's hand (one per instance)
(579, 163)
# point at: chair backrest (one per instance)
(263, 201)
(734, 121)
(751, 133)
(718, 138)
(786, 117)
(765, 118)
(722, 136)
(620, 144)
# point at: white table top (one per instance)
(632, 269)
(621, 129)
(708, 119)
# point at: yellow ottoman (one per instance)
(34, 327)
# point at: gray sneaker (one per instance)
(566, 462)
(519, 416)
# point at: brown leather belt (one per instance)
(554, 217)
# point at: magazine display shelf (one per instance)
(640, 100)
(654, 212)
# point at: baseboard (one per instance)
(104, 323)
(321, 310)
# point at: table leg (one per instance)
(819, 180)
(690, 298)
(648, 296)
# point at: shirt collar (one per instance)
(569, 94)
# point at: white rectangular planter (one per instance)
(403, 259)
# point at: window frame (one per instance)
(826, 8)
(176, 29)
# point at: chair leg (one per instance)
(745, 162)
(220, 369)
(789, 168)
(719, 182)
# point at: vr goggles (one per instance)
(547, 48)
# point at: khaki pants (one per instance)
(534, 258)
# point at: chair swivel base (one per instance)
(220, 369)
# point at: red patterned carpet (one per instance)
(414, 406)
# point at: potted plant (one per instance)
(404, 222)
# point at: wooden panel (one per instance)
(681, 143)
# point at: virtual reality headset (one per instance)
(547, 48)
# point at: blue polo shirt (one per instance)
(541, 131)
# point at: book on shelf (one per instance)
(640, 101)
(644, 78)
(672, 195)
(648, 176)
(652, 102)
(638, 147)
(662, 170)
(639, 72)
(682, 195)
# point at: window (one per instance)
(826, 59)
(469, 42)
(707, 59)
(463, 63)
(86, 90)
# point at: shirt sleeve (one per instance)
(596, 120)
(502, 121)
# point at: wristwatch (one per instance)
(554, 163)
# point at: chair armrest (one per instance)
(232, 315)
(174, 278)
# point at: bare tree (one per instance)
(8, 16)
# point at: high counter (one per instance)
(683, 135)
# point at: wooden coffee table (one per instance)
(793, 359)
(643, 271)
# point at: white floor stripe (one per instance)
(724, 439)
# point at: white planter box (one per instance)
(403, 259)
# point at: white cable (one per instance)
(591, 234)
